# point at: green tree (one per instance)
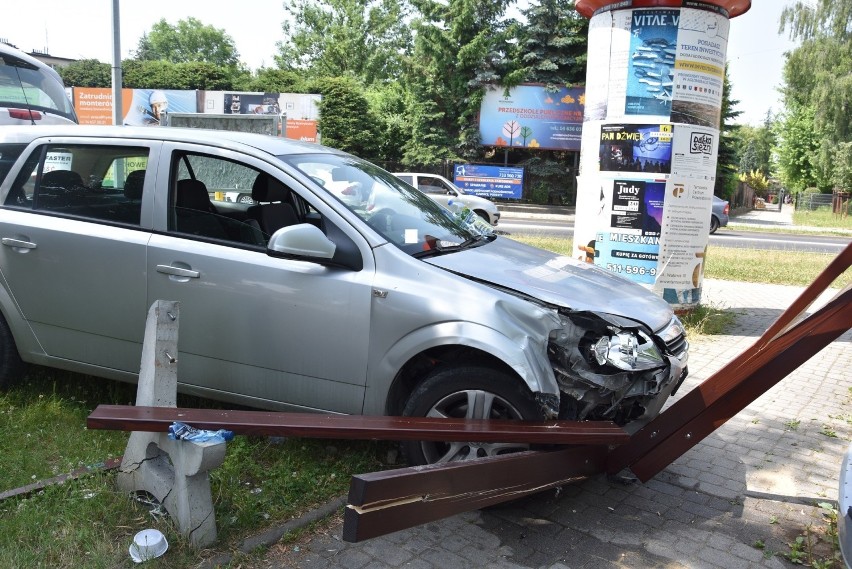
(818, 76)
(756, 146)
(188, 40)
(388, 105)
(748, 154)
(270, 80)
(364, 39)
(459, 47)
(165, 75)
(552, 45)
(842, 159)
(346, 122)
(86, 73)
(798, 149)
(726, 162)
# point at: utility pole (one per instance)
(116, 65)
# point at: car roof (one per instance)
(11, 52)
(271, 144)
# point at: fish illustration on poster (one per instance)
(650, 71)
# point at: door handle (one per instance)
(18, 243)
(178, 272)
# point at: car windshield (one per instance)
(401, 214)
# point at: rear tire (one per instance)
(12, 367)
(714, 225)
(467, 392)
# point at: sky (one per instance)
(80, 29)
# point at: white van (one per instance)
(31, 92)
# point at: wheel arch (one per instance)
(415, 355)
(23, 335)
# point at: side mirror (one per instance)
(302, 241)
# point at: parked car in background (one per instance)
(31, 92)
(443, 191)
(306, 301)
(719, 214)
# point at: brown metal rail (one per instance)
(313, 425)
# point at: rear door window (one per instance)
(99, 182)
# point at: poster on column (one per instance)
(650, 72)
(694, 151)
(699, 73)
(630, 244)
(619, 61)
(598, 67)
(594, 198)
(683, 242)
(636, 148)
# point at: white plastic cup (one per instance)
(148, 544)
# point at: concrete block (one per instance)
(176, 473)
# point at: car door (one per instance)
(261, 330)
(436, 189)
(74, 248)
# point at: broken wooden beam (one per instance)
(380, 503)
(109, 464)
(315, 425)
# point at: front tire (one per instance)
(471, 392)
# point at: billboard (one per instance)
(531, 117)
(301, 109)
(489, 181)
(140, 107)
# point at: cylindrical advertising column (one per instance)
(654, 82)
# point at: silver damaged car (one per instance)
(380, 303)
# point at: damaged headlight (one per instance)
(630, 351)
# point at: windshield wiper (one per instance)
(439, 249)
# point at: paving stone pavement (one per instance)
(757, 479)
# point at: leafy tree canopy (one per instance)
(726, 161)
(365, 39)
(166, 75)
(818, 80)
(188, 40)
(86, 73)
(551, 46)
(345, 118)
(798, 149)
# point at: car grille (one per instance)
(677, 346)
(674, 336)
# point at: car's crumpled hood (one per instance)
(556, 280)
